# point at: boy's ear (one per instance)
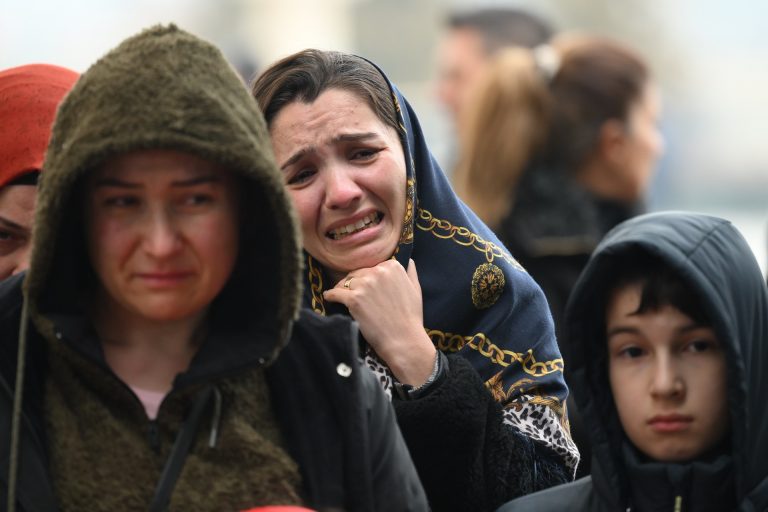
(612, 141)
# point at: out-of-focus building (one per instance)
(709, 57)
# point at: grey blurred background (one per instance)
(710, 58)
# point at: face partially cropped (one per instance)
(644, 143)
(462, 60)
(17, 209)
(668, 378)
(162, 232)
(345, 172)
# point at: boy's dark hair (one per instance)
(661, 286)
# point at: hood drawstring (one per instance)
(216, 420)
(18, 396)
(184, 439)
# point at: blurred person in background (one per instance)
(471, 40)
(456, 331)
(29, 96)
(560, 143)
(669, 323)
(163, 360)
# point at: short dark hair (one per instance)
(499, 27)
(660, 286)
(305, 75)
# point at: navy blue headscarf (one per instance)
(478, 301)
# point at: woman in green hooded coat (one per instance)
(154, 367)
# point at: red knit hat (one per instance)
(29, 96)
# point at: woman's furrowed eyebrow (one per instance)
(344, 137)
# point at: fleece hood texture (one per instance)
(712, 257)
(167, 89)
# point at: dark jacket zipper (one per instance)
(153, 435)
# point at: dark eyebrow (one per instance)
(344, 137)
(12, 225)
(198, 180)
(113, 182)
(298, 156)
(692, 327)
(633, 330)
(620, 330)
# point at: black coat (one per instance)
(340, 430)
(552, 229)
(711, 256)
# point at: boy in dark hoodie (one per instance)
(669, 323)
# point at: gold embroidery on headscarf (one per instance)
(443, 229)
(449, 342)
(316, 286)
(406, 236)
(487, 285)
(399, 112)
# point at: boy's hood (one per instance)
(715, 260)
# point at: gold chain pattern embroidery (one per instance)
(449, 342)
(441, 228)
(406, 236)
(316, 286)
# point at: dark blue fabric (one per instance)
(478, 301)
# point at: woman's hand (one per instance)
(386, 301)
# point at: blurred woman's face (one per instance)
(643, 145)
(17, 209)
(162, 231)
(345, 171)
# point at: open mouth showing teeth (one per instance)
(364, 223)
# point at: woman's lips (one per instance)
(346, 229)
(163, 279)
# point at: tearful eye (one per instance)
(364, 154)
(301, 176)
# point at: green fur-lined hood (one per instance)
(166, 89)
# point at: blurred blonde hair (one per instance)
(522, 112)
(495, 144)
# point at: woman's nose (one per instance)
(161, 235)
(341, 189)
